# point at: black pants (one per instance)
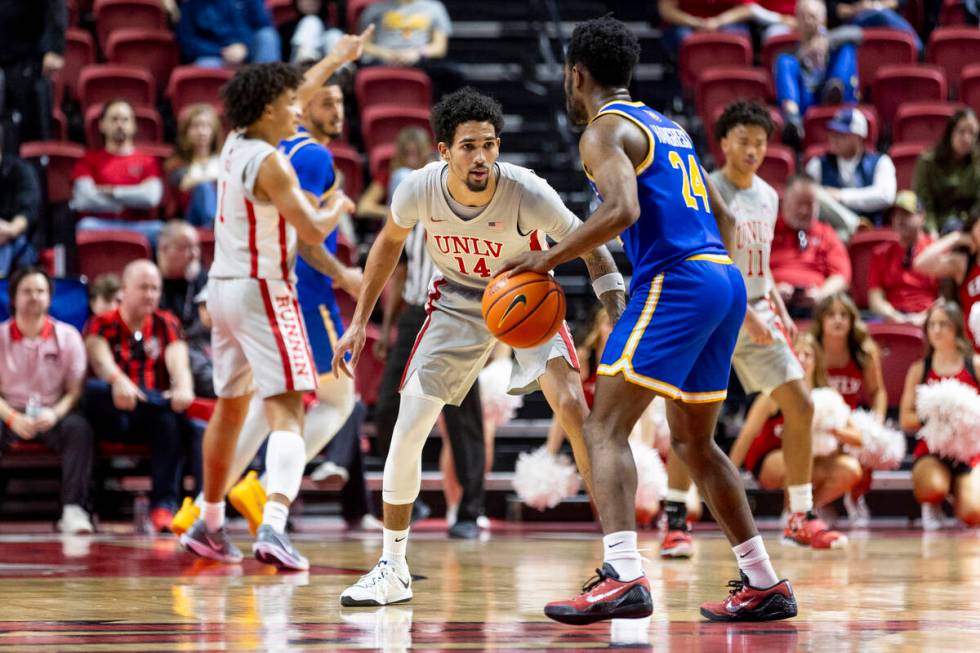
(345, 451)
(72, 439)
(27, 99)
(464, 423)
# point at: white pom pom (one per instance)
(950, 411)
(498, 406)
(542, 479)
(830, 412)
(882, 448)
(651, 478)
(975, 323)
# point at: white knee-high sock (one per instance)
(336, 401)
(403, 467)
(285, 459)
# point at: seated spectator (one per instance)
(103, 294)
(823, 70)
(117, 186)
(898, 293)
(143, 384)
(311, 37)
(858, 183)
(808, 260)
(947, 177)
(20, 201)
(202, 362)
(413, 148)
(193, 169)
(216, 33)
(42, 370)
(872, 13)
(684, 17)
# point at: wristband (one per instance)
(10, 419)
(607, 282)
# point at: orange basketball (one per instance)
(524, 310)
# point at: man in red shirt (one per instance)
(808, 260)
(897, 292)
(143, 383)
(116, 186)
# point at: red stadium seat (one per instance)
(379, 162)
(715, 145)
(192, 84)
(100, 83)
(354, 10)
(113, 15)
(896, 84)
(350, 164)
(775, 46)
(149, 126)
(72, 6)
(154, 50)
(814, 151)
(109, 251)
(705, 50)
(283, 11)
(970, 86)
(407, 87)
(921, 122)
(952, 48)
(59, 125)
(57, 159)
(860, 249)
(883, 46)
(904, 156)
(381, 124)
(206, 238)
(79, 52)
(370, 370)
(779, 164)
(900, 346)
(952, 13)
(816, 119)
(721, 85)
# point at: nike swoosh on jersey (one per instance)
(520, 299)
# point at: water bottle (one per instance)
(141, 515)
(33, 408)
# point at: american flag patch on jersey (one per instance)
(495, 225)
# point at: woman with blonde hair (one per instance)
(193, 169)
(413, 149)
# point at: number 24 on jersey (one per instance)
(693, 186)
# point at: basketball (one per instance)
(524, 310)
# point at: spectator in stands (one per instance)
(947, 177)
(33, 37)
(117, 186)
(896, 292)
(42, 371)
(103, 294)
(215, 33)
(20, 202)
(823, 70)
(948, 356)
(193, 169)
(312, 36)
(872, 13)
(142, 383)
(808, 260)
(858, 183)
(685, 17)
(413, 148)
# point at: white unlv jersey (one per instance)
(251, 239)
(469, 252)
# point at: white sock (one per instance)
(619, 550)
(753, 560)
(677, 496)
(199, 501)
(395, 545)
(800, 497)
(285, 460)
(275, 515)
(214, 515)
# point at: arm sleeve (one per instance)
(405, 201)
(879, 195)
(173, 330)
(53, 38)
(145, 195)
(314, 168)
(813, 169)
(85, 197)
(542, 210)
(27, 197)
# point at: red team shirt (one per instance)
(848, 381)
(140, 356)
(964, 377)
(970, 295)
(891, 271)
(806, 262)
(107, 169)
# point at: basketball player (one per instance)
(763, 359)
(258, 335)
(676, 337)
(477, 212)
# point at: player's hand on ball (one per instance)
(527, 262)
(352, 341)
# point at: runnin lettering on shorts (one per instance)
(293, 334)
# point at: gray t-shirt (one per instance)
(755, 209)
(405, 26)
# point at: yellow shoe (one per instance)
(185, 517)
(248, 497)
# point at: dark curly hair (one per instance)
(608, 48)
(254, 88)
(464, 105)
(743, 112)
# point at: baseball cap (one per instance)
(907, 201)
(849, 121)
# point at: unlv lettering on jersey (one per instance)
(755, 231)
(468, 245)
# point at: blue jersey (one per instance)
(313, 164)
(675, 220)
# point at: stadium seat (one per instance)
(57, 159)
(113, 15)
(715, 146)
(704, 50)
(880, 47)
(354, 10)
(921, 122)
(814, 151)
(155, 50)
(900, 346)
(860, 248)
(779, 164)
(59, 125)
(407, 87)
(952, 48)
(79, 52)
(952, 13)
(775, 46)
(370, 370)
(970, 86)
(100, 252)
(379, 162)
(283, 11)
(72, 7)
(192, 84)
(904, 156)
(816, 119)
(149, 126)
(381, 124)
(895, 84)
(721, 85)
(350, 164)
(206, 238)
(100, 83)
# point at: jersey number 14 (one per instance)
(693, 185)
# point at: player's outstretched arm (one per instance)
(348, 49)
(723, 217)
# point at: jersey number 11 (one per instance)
(693, 185)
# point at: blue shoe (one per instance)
(274, 548)
(213, 545)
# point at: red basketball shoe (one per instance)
(677, 544)
(747, 603)
(806, 529)
(604, 597)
